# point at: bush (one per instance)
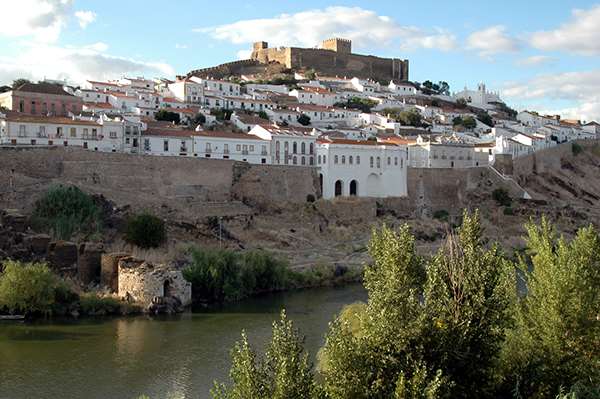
(94, 305)
(362, 104)
(30, 288)
(164, 115)
(263, 115)
(576, 148)
(221, 114)
(66, 211)
(226, 276)
(146, 231)
(442, 215)
(501, 196)
(304, 120)
(508, 211)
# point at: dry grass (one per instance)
(167, 253)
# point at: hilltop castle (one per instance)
(334, 58)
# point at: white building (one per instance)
(361, 168)
(481, 98)
(98, 134)
(316, 96)
(235, 146)
(533, 119)
(187, 91)
(445, 152)
(218, 87)
(402, 88)
(168, 141)
(289, 145)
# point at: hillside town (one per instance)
(361, 134)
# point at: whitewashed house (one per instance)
(361, 168)
(445, 152)
(290, 145)
(235, 146)
(316, 96)
(402, 88)
(535, 120)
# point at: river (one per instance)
(168, 357)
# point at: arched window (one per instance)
(335, 159)
(295, 160)
(286, 146)
(310, 148)
(353, 188)
(324, 158)
(378, 162)
(319, 160)
(350, 159)
(371, 161)
(358, 159)
(303, 148)
(311, 160)
(338, 188)
(303, 160)
(277, 146)
(395, 161)
(295, 148)
(389, 161)
(343, 159)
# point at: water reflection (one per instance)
(166, 357)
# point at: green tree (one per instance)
(462, 103)
(457, 121)
(469, 122)
(556, 339)
(263, 115)
(145, 230)
(199, 119)
(444, 88)
(19, 82)
(424, 333)
(28, 288)
(304, 120)
(169, 116)
(284, 373)
(484, 117)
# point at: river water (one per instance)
(171, 357)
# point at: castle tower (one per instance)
(338, 45)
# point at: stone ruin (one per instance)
(157, 288)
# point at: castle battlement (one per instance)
(334, 58)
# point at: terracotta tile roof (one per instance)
(98, 105)
(56, 120)
(287, 130)
(164, 132)
(398, 140)
(180, 110)
(43, 88)
(227, 135)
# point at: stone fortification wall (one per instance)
(194, 187)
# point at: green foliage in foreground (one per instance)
(453, 326)
(32, 288)
(66, 211)
(145, 230)
(283, 373)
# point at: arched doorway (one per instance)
(321, 183)
(353, 188)
(338, 188)
(373, 185)
(167, 289)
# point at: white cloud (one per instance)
(181, 46)
(75, 64)
(492, 40)
(582, 89)
(40, 19)
(85, 18)
(536, 60)
(244, 54)
(581, 35)
(308, 28)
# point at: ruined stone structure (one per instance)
(147, 284)
(335, 58)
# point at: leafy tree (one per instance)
(457, 121)
(462, 103)
(28, 288)
(145, 230)
(19, 82)
(469, 122)
(304, 120)
(221, 114)
(263, 115)
(502, 197)
(556, 339)
(199, 119)
(410, 117)
(284, 373)
(363, 104)
(484, 117)
(169, 116)
(310, 74)
(444, 88)
(4, 89)
(423, 333)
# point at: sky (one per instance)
(540, 55)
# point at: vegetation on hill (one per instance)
(411, 117)
(451, 326)
(145, 230)
(221, 114)
(362, 104)
(441, 87)
(168, 116)
(467, 122)
(66, 211)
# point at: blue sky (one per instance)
(540, 54)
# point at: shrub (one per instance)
(263, 115)
(501, 196)
(94, 305)
(508, 211)
(576, 148)
(442, 215)
(29, 288)
(225, 276)
(145, 230)
(310, 198)
(169, 116)
(66, 211)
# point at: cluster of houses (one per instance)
(314, 123)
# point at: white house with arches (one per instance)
(290, 145)
(361, 168)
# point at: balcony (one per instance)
(42, 135)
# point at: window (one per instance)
(358, 159)
(303, 160)
(395, 161)
(33, 107)
(277, 146)
(371, 161)
(303, 148)
(113, 135)
(263, 149)
(312, 160)
(286, 147)
(350, 159)
(59, 132)
(94, 133)
(245, 149)
(335, 159)
(238, 147)
(146, 144)
(295, 160)
(166, 145)
(401, 163)
(389, 161)
(42, 131)
(318, 160)
(208, 147)
(343, 159)
(295, 148)
(251, 148)
(310, 148)
(225, 148)
(73, 132)
(324, 159)
(378, 162)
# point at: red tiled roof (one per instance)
(163, 132)
(228, 135)
(57, 120)
(98, 105)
